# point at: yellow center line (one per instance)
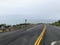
(39, 39)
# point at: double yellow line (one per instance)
(39, 39)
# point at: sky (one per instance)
(16, 11)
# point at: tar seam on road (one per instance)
(39, 39)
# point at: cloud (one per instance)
(31, 8)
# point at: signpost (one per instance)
(25, 20)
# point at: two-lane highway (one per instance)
(25, 37)
(37, 35)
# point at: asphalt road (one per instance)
(21, 37)
(51, 36)
(28, 36)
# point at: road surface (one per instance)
(25, 37)
(51, 35)
(30, 36)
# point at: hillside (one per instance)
(57, 23)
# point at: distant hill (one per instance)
(56, 23)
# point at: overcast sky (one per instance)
(15, 11)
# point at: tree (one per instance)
(14, 25)
(59, 21)
(8, 26)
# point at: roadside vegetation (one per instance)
(57, 23)
(5, 28)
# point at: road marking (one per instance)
(53, 43)
(38, 41)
